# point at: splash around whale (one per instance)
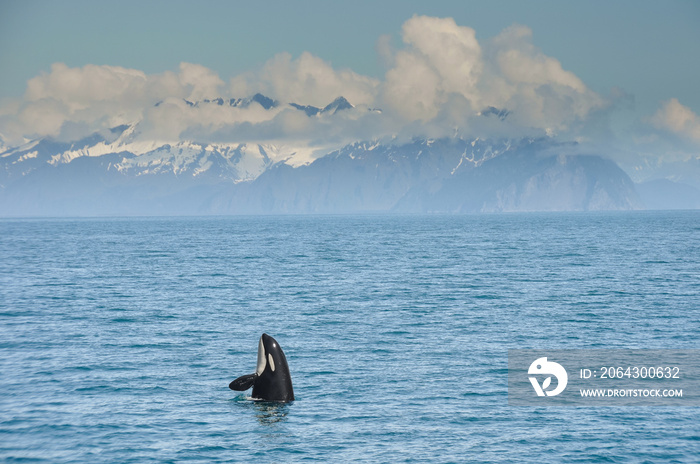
(271, 380)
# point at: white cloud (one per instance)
(79, 88)
(97, 97)
(91, 96)
(306, 80)
(444, 76)
(385, 50)
(679, 119)
(534, 86)
(441, 58)
(437, 82)
(200, 81)
(521, 62)
(174, 116)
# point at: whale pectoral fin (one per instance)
(243, 382)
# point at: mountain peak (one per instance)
(336, 105)
(265, 102)
(501, 114)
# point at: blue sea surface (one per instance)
(119, 336)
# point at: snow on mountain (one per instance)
(245, 160)
(120, 171)
(266, 102)
(235, 162)
(443, 175)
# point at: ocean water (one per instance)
(118, 337)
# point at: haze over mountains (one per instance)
(117, 172)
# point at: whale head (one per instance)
(270, 355)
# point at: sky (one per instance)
(621, 71)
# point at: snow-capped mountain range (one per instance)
(231, 161)
(120, 172)
(235, 162)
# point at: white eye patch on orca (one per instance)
(272, 363)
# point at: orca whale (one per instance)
(271, 380)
